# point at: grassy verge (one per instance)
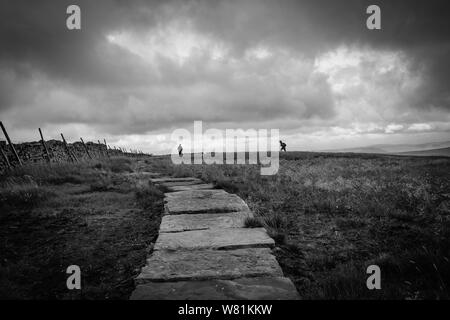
(334, 215)
(93, 214)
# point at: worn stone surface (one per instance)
(203, 201)
(202, 186)
(230, 238)
(186, 222)
(203, 251)
(170, 179)
(179, 183)
(273, 288)
(195, 194)
(209, 264)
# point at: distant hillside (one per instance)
(398, 148)
(371, 149)
(442, 152)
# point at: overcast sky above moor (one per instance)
(137, 70)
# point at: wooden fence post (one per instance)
(44, 145)
(71, 155)
(101, 151)
(10, 144)
(5, 158)
(86, 148)
(67, 148)
(106, 147)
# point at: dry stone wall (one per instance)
(30, 152)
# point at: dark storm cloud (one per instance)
(419, 28)
(59, 76)
(315, 25)
(33, 34)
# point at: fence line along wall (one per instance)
(35, 152)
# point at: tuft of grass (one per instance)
(182, 171)
(227, 185)
(163, 189)
(104, 183)
(274, 221)
(22, 193)
(274, 225)
(75, 173)
(54, 174)
(149, 197)
(277, 235)
(253, 222)
(120, 165)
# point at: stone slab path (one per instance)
(209, 264)
(203, 201)
(201, 186)
(203, 250)
(202, 221)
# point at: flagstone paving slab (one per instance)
(230, 238)
(179, 183)
(203, 251)
(258, 288)
(203, 201)
(183, 265)
(187, 222)
(170, 179)
(202, 186)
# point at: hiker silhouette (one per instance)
(283, 146)
(180, 150)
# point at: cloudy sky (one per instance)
(137, 70)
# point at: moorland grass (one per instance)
(92, 214)
(333, 215)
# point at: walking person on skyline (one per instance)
(283, 146)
